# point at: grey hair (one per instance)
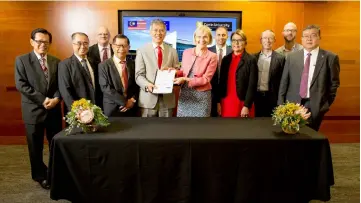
(158, 22)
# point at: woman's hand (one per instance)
(245, 112)
(219, 109)
(181, 80)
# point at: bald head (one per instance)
(103, 36)
(289, 32)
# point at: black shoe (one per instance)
(44, 184)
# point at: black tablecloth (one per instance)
(173, 160)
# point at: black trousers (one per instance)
(263, 104)
(313, 122)
(35, 139)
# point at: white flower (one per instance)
(86, 116)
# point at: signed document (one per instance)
(164, 81)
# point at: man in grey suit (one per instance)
(150, 58)
(78, 75)
(311, 77)
(117, 81)
(36, 79)
(221, 49)
(270, 67)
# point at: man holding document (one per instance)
(153, 60)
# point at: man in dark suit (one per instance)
(270, 67)
(311, 77)
(78, 75)
(37, 81)
(221, 49)
(117, 80)
(101, 51)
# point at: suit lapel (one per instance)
(272, 66)
(51, 69)
(96, 53)
(165, 55)
(319, 63)
(114, 73)
(228, 50)
(77, 64)
(241, 63)
(39, 71)
(151, 52)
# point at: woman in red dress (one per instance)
(238, 80)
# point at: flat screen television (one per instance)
(180, 26)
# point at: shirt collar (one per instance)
(39, 57)
(223, 48)
(314, 52)
(294, 47)
(237, 56)
(155, 45)
(117, 60)
(79, 58)
(262, 54)
(101, 47)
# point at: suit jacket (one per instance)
(146, 67)
(324, 83)
(246, 78)
(275, 74)
(75, 83)
(203, 68)
(94, 54)
(31, 83)
(112, 87)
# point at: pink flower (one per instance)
(303, 112)
(86, 116)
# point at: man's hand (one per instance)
(181, 80)
(46, 102)
(151, 87)
(52, 103)
(245, 112)
(128, 105)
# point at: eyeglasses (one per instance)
(118, 46)
(290, 30)
(84, 44)
(312, 36)
(237, 40)
(39, 42)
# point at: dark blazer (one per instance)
(246, 78)
(112, 87)
(275, 74)
(75, 83)
(31, 83)
(324, 84)
(214, 81)
(94, 54)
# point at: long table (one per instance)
(191, 160)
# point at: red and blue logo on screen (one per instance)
(137, 25)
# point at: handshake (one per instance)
(50, 103)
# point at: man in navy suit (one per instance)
(37, 81)
(221, 49)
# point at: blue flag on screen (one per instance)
(166, 25)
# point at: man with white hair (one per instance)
(289, 33)
(101, 51)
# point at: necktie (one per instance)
(304, 78)
(124, 75)
(105, 54)
(85, 66)
(160, 57)
(220, 56)
(43, 66)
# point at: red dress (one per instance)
(231, 105)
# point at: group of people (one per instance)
(217, 81)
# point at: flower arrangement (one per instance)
(290, 116)
(85, 115)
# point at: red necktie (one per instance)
(105, 54)
(304, 78)
(160, 57)
(43, 66)
(124, 75)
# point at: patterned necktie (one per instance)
(85, 66)
(160, 57)
(124, 75)
(45, 69)
(304, 78)
(105, 54)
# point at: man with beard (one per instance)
(270, 68)
(221, 49)
(289, 34)
(78, 75)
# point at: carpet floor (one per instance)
(16, 184)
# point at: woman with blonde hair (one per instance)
(238, 80)
(198, 67)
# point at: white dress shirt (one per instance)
(89, 68)
(314, 54)
(224, 49)
(101, 51)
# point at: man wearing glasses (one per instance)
(78, 75)
(311, 77)
(101, 51)
(289, 34)
(117, 81)
(37, 81)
